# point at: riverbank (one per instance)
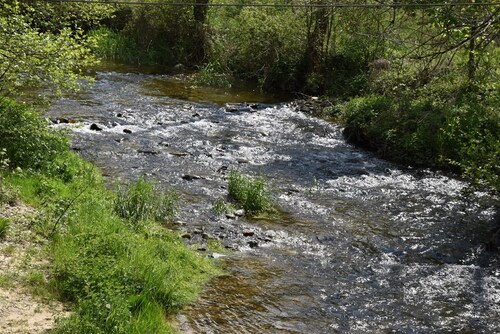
(457, 132)
(108, 256)
(26, 304)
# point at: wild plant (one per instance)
(250, 193)
(141, 200)
(4, 227)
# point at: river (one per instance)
(361, 245)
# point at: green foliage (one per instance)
(165, 35)
(472, 131)
(27, 141)
(259, 44)
(123, 278)
(250, 193)
(211, 75)
(31, 58)
(4, 227)
(51, 17)
(108, 44)
(221, 207)
(445, 126)
(142, 201)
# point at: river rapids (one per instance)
(361, 245)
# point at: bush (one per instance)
(250, 193)
(142, 201)
(362, 117)
(471, 134)
(446, 127)
(28, 141)
(263, 45)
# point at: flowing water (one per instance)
(360, 245)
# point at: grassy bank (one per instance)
(109, 254)
(440, 125)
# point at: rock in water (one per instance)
(95, 127)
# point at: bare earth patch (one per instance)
(25, 306)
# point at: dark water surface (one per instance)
(361, 246)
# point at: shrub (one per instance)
(446, 127)
(361, 114)
(471, 134)
(250, 193)
(142, 201)
(28, 141)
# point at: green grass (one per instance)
(221, 207)
(4, 227)
(141, 200)
(8, 195)
(109, 253)
(6, 281)
(249, 193)
(121, 277)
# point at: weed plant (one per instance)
(250, 193)
(221, 207)
(141, 201)
(4, 227)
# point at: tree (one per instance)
(31, 58)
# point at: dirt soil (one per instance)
(25, 304)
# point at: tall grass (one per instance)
(4, 227)
(121, 277)
(112, 45)
(141, 200)
(250, 193)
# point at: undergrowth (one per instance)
(448, 127)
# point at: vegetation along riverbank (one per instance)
(417, 83)
(99, 261)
